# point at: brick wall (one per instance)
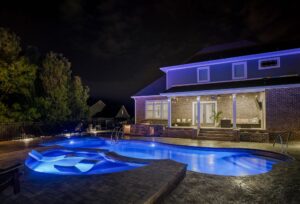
(140, 110)
(283, 110)
(182, 108)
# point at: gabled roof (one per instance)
(113, 111)
(288, 80)
(122, 113)
(155, 88)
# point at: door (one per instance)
(207, 110)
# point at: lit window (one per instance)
(269, 63)
(239, 70)
(203, 74)
(156, 109)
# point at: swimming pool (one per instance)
(76, 162)
(218, 161)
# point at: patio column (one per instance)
(234, 111)
(198, 112)
(169, 112)
(134, 111)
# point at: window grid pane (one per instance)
(157, 109)
(202, 75)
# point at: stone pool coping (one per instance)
(148, 184)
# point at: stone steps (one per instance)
(219, 138)
(216, 134)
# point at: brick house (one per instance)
(221, 90)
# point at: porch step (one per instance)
(219, 138)
(216, 134)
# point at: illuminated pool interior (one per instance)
(218, 161)
(77, 162)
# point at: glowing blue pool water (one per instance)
(68, 162)
(219, 161)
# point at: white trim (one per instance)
(170, 112)
(134, 111)
(245, 70)
(267, 59)
(234, 111)
(264, 127)
(147, 96)
(199, 112)
(193, 112)
(229, 91)
(208, 74)
(233, 59)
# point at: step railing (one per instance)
(116, 134)
(283, 139)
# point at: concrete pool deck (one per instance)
(281, 185)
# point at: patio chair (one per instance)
(39, 157)
(10, 177)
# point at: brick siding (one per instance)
(283, 110)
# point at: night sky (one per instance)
(117, 46)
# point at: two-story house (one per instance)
(239, 86)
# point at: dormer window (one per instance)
(239, 70)
(203, 74)
(269, 63)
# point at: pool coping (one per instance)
(260, 152)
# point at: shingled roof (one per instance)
(155, 88)
(240, 48)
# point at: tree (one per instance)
(17, 77)
(78, 99)
(55, 77)
(9, 45)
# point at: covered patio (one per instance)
(245, 110)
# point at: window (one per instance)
(269, 63)
(157, 109)
(239, 70)
(203, 74)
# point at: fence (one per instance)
(22, 130)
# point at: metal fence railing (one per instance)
(22, 130)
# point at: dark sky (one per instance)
(117, 46)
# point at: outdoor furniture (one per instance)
(39, 157)
(10, 177)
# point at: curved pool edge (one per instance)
(268, 154)
(282, 156)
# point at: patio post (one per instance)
(234, 111)
(198, 112)
(134, 111)
(169, 112)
